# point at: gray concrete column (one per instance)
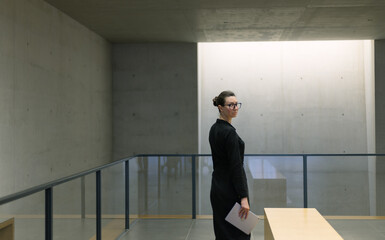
(380, 122)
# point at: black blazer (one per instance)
(228, 150)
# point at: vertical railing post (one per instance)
(83, 197)
(127, 193)
(48, 214)
(193, 173)
(305, 181)
(98, 206)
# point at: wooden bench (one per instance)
(7, 229)
(268, 188)
(297, 223)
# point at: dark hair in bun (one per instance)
(221, 98)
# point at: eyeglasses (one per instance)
(233, 105)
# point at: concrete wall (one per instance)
(155, 111)
(380, 123)
(155, 99)
(298, 97)
(55, 96)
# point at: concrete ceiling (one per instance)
(228, 20)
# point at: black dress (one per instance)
(229, 183)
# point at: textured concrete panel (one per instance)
(155, 99)
(55, 96)
(122, 21)
(298, 97)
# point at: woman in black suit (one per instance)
(229, 183)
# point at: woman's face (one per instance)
(230, 108)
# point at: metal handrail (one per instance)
(47, 187)
(42, 187)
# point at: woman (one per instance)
(229, 183)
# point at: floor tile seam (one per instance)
(372, 227)
(189, 231)
(126, 231)
(133, 224)
(345, 230)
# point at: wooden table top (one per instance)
(299, 223)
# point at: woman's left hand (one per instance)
(245, 208)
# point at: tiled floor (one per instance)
(360, 229)
(172, 229)
(186, 229)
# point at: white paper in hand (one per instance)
(245, 225)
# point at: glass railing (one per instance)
(106, 201)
